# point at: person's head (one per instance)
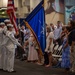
(9, 27)
(7, 21)
(52, 25)
(58, 24)
(22, 27)
(71, 25)
(2, 24)
(67, 29)
(48, 29)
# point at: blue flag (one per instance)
(36, 20)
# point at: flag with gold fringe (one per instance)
(36, 23)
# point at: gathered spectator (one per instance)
(57, 33)
(32, 53)
(71, 25)
(52, 27)
(71, 39)
(19, 50)
(62, 34)
(22, 34)
(73, 50)
(66, 51)
(49, 48)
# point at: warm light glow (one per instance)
(5, 3)
(3, 12)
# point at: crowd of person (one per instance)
(22, 45)
(7, 46)
(63, 37)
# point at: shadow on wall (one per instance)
(54, 11)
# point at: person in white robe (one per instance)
(4, 52)
(2, 24)
(10, 46)
(49, 46)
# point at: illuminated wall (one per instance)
(69, 10)
(54, 10)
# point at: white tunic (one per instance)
(12, 41)
(10, 46)
(1, 39)
(4, 50)
(51, 35)
(32, 53)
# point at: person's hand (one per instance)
(22, 47)
(48, 47)
(71, 49)
(17, 33)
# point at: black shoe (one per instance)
(22, 59)
(1, 69)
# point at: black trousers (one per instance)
(20, 51)
(46, 58)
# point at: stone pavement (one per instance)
(25, 68)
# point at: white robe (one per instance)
(10, 46)
(51, 35)
(1, 39)
(4, 50)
